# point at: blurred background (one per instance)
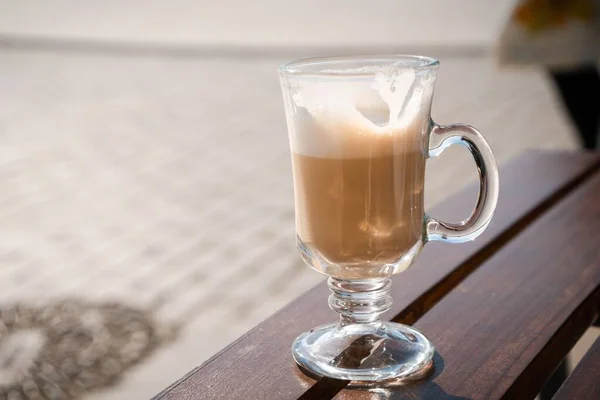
(146, 211)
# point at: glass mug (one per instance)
(360, 133)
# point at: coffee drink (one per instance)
(358, 174)
(358, 210)
(363, 208)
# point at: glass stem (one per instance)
(360, 301)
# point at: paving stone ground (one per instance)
(164, 182)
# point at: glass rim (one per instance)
(302, 67)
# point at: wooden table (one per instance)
(503, 311)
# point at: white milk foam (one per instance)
(336, 119)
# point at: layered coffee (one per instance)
(359, 163)
(364, 205)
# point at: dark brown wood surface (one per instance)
(584, 381)
(502, 331)
(259, 365)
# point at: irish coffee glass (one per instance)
(360, 133)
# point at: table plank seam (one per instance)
(564, 339)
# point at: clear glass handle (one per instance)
(442, 137)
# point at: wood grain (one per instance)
(501, 332)
(260, 363)
(584, 381)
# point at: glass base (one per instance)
(364, 352)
